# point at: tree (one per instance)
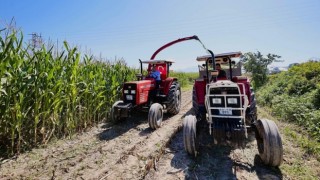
(256, 64)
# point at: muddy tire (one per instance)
(155, 116)
(114, 116)
(190, 135)
(269, 142)
(195, 105)
(174, 98)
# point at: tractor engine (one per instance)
(134, 93)
(226, 108)
(137, 92)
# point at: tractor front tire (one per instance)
(190, 135)
(195, 105)
(174, 98)
(269, 142)
(114, 116)
(155, 116)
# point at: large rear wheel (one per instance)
(269, 142)
(155, 116)
(190, 135)
(174, 98)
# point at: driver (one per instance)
(222, 73)
(156, 75)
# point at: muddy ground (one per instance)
(131, 150)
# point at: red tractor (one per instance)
(146, 93)
(226, 107)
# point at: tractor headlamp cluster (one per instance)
(232, 101)
(131, 91)
(216, 100)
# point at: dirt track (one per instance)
(214, 162)
(131, 150)
(123, 151)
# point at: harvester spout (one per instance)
(172, 43)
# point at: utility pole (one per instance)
(36, 40)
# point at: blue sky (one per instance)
(134, 29)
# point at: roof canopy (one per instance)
(220, 58)
(156, 61)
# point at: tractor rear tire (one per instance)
(269, 142)
(190, 135)
(174, 98)
(155, 116)
(114, 116)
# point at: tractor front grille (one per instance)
(225, 104)
(225, 108)
(129, 93)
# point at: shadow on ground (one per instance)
(113, 130)
(216, 162)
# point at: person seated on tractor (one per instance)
(156, 75)
(221, 72)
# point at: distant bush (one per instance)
(185, 78)
(295, 96)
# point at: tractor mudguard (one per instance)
(167, 83)
(200, 88)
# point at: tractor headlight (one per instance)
(232, 101)
(133, 91)
(129, 97)
(126, 91)
(216, 101)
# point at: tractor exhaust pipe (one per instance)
(213, 65)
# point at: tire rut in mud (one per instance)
(213, 161)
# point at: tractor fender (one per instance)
(167, 83)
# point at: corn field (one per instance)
(45, 95)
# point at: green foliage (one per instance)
(43, 94)
(256, 64)
(295, 96)
(185, 79)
